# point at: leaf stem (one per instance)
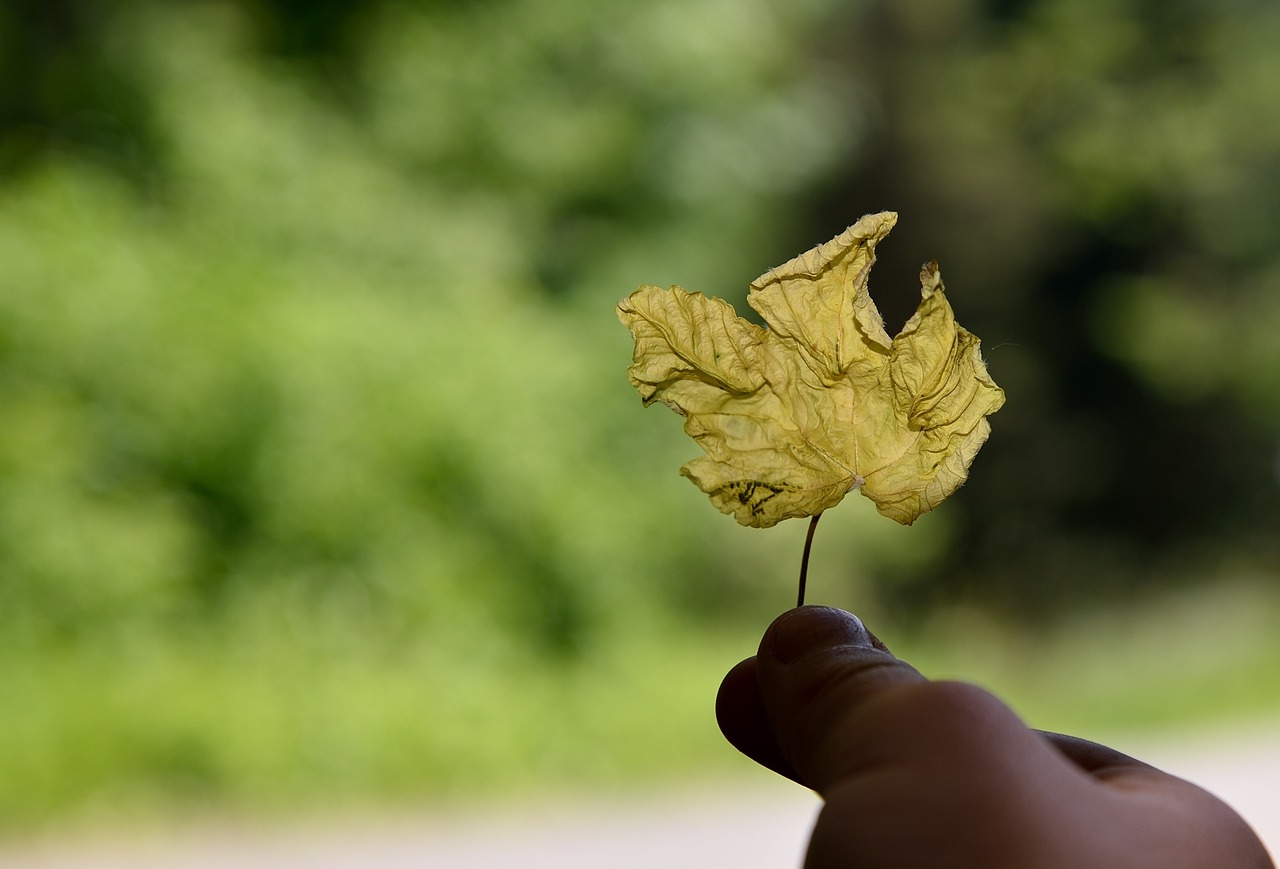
(804, 559)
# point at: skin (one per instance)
(917, 773)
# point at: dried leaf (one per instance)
(822, 402)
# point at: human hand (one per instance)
(916, 773)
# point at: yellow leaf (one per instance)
(795, 416)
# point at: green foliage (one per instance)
(319, 474)
(309, 435)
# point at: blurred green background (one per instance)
(321, 483)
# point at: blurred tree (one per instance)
(360, 352)
(63, 86)
(1106, 162)
(1079, 168)
(306, 344)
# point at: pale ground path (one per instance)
(759, 826)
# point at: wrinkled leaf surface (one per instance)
(795, 416)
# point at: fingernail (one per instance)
(805, 629)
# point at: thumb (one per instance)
(821, 675)
(824, 700)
